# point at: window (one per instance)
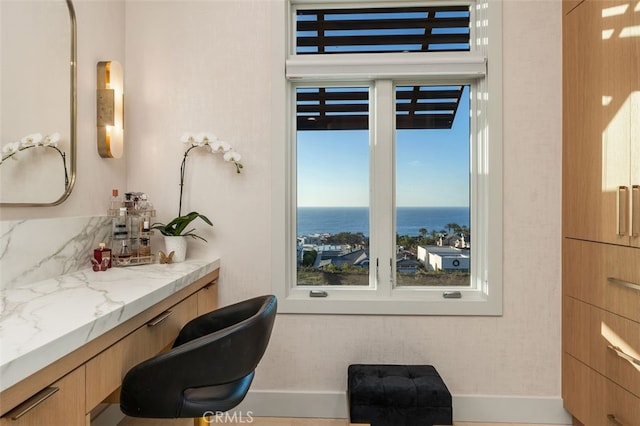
(392, 165)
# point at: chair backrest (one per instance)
(229, 341)
(236, 336)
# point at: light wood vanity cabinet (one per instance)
(601, 213)
(62, 403)
(93, 373)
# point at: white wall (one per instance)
(206, 65)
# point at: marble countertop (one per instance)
(43, 321)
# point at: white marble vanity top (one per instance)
(43, 321)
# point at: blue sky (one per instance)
(432, 166)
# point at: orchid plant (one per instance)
(210, 142)
(214, 145)
(36, 140)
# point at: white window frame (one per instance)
(484, 296)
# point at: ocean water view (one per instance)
(410, 220)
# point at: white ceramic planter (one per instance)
(177, 245)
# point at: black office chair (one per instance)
(209, 368)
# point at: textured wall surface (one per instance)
(207, 66)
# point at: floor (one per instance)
(273, 421)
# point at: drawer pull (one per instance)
(623, 283)
(623, 210)
(613, 420)
(622, 354)
(32, 402)
(635, 211)
(157, 320)
(211, 284)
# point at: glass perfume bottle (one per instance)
(116, 202)
(124, 255)
(145, 247)
(103, 255)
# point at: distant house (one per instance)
(438, 258)
(359, 258)
(461, 241)
(405, 265)
(314, 239)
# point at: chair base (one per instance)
(202, 421)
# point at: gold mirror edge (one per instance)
(74, 110)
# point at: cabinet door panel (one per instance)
(64, 407)
(596, 125)
(634, 66)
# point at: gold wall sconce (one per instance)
(110, 109)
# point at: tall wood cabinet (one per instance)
(601, 212)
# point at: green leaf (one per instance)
(178, 225)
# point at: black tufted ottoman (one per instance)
(398, 395)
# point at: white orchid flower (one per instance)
(220, 146)
(51, 140)
(188, 138)
(232, 156)
(203, 138)
(10, 148)
(33, 139)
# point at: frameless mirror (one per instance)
(38, 102)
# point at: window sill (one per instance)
(472, 303)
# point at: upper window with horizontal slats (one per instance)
(383, 30)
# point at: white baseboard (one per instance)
(466, 408)
(510, 409)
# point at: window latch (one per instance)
(452, 295)
(318, 293)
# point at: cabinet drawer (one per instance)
(576, 386)
(208, 298)
(606, 342)
(604, 275)
(595, 400)
(620, 409)
(62, 403)
(106, 370)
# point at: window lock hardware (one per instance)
(452, 295)
(318, 293)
